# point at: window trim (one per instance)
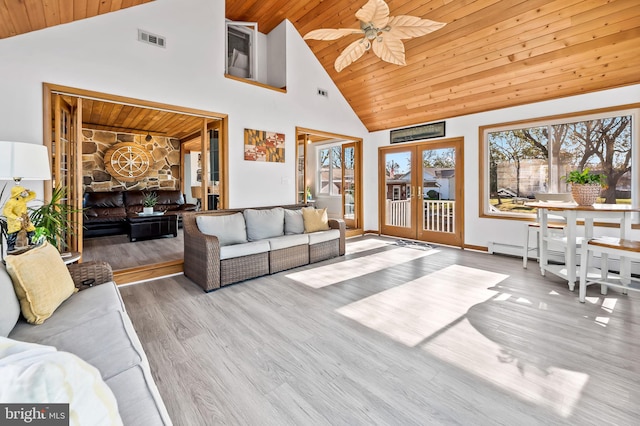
(483, 150)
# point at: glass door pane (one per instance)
(349, 184)
(440, 204)
(398, 193)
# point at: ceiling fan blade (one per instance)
(330, 33)
(375, 11)
(389, 49)
(351, 53)
(404, 27)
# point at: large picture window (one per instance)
(521, 160)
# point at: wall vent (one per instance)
(323, 92)
(156, 40)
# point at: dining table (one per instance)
(619, 215)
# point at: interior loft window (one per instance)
(330, 170)
(528, 158)
(242, 49)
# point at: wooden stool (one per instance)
(535, 227)
(605, 246)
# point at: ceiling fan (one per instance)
(382, 33)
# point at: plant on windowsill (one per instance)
(585, 186)
(149, 202)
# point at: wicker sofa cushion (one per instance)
(247, 249)
(293, 222)
(262, 224)
(9, 305)
(323, 236)
(230, 229)
(286, 241)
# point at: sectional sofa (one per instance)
(222, 247)
(93, 325)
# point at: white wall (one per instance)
(103, 54)
(482, 231)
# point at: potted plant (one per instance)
(585, 186)
(149, 202)
(53, 220)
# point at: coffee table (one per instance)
(152, 226)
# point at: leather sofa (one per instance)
(105, 213)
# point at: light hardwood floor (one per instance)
(121, 253)
(392, 335)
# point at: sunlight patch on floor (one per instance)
(364, 245)
(412, 312)
(323, 276)
(524, 374)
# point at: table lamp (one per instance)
(20, 161)
(24, 161)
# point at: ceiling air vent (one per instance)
(147, 37)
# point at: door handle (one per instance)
(419, 192)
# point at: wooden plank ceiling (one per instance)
(491, 54)
(23, 16)
(102, 115)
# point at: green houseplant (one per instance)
(585, 186)
(149, 202)
(53, 220)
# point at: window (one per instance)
(330, 170)
(522, 160)
(241, 60)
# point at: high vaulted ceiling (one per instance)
(23, 16)
(491, 54)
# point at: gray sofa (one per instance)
(93, 324)
(223, 247)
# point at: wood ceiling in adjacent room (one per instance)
(491, 54)
(115, 117)
(20, 16)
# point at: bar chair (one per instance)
(626, 250)
(535, 228)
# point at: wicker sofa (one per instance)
(216, 253)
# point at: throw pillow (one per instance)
(230, 228)
(38, 374)
(41, 281)
(315, 219)
(293, 222)
(264, 223)
(9, 304)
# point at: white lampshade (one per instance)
(24, 161)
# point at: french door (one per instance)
(421, 191)
(66, 162)
(349, 185)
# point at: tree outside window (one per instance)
(528, 160)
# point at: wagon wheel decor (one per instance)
(127, 161)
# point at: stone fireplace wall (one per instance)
(164, 172)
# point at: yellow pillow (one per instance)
(41, 281)
(315, 219)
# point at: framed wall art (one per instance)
(260, 145)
